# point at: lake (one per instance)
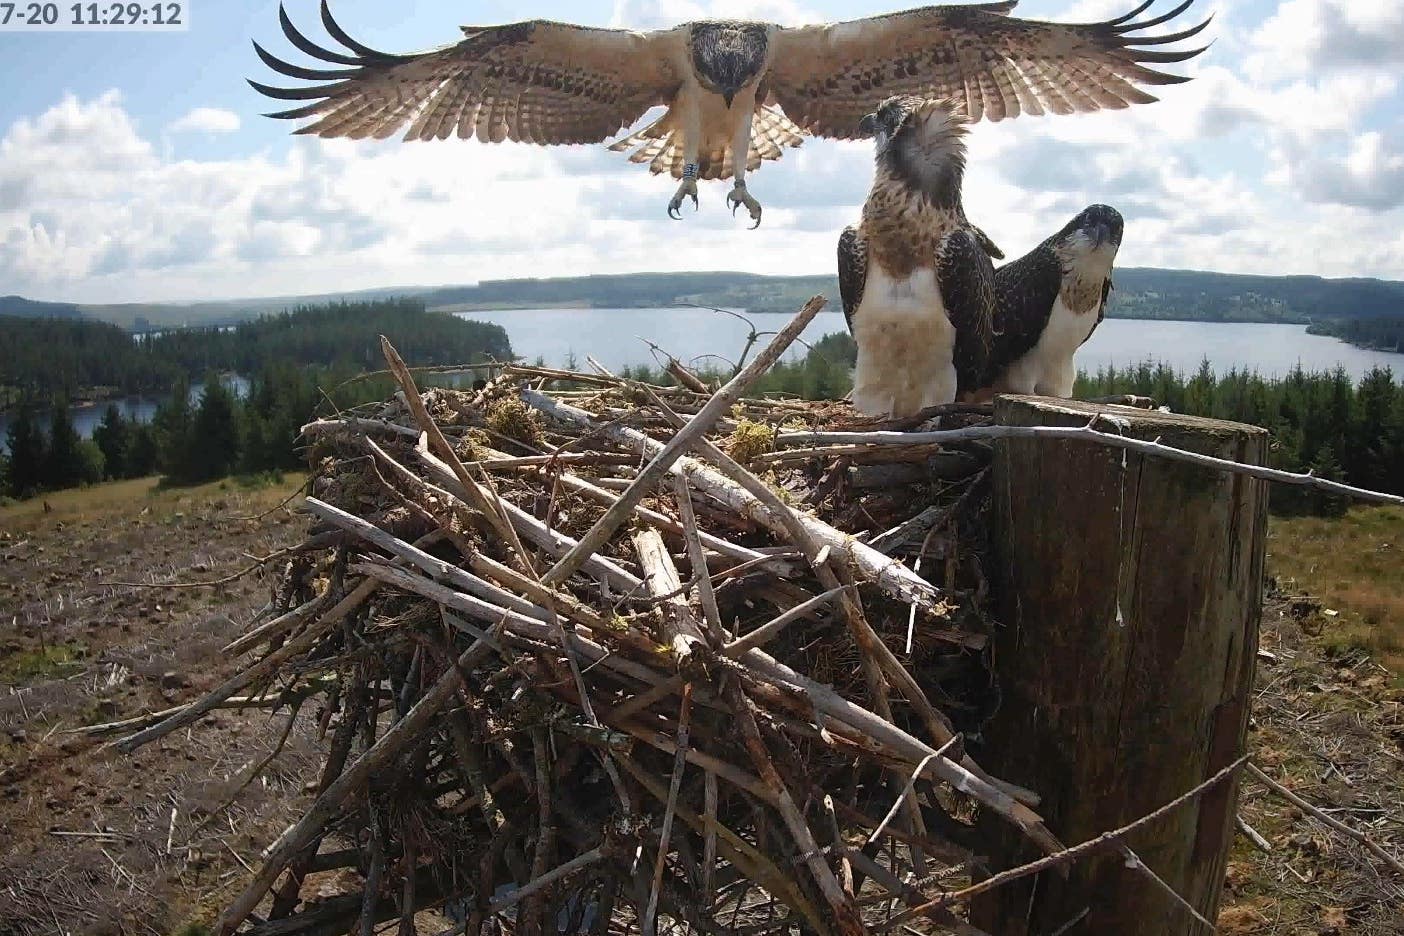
(87, 416)
(612, 337)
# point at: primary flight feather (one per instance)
(729, 87)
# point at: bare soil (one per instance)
(98, 843)
(92, 841)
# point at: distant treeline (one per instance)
(42, 358)
(1141, 292)
(188, 441)
(1383, 334)
(1319, 421)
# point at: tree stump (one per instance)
(1130, 593)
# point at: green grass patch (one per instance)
(39, 663)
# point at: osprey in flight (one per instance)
(1049, 301)
(736, 93)
(915, 276)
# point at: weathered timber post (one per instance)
(1130, 589)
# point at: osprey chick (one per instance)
(722, 81)
(915, 276)
(1049, 301)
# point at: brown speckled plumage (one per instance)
(547, 82)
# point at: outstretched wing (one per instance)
(537, 81)
(852, 271)
(827, 77)
(966, 275)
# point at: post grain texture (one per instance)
(1130, 592)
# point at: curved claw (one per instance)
(673, 212)
(757, 216)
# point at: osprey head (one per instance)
(1090, 239)
(921, 141)
(728, 56)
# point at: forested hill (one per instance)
(29, 308)
(45, 358)
(1141, 292)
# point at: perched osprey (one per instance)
(915, 276)
(1049, 301)
(723, 83)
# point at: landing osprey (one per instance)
(724, 83)
(1049, 301)
(915, 276)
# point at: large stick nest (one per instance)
(744, 712)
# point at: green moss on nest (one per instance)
(749, 440)
(512, 418)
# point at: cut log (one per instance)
(1130, 588)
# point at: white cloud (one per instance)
(206, 120)
(1308, 37)
(1237, 170)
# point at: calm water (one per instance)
(87, 417)
(611, 336)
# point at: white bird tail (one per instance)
(660, 145)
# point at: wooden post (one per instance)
(1130, 589)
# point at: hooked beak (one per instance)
(1101, 233)
(727, 96)
(868, 125)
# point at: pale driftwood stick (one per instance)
(358, 424)
(264, 667)
(904, 746)
(715, 543)
(1254, 836)
(297, 836)
(680, 631)
(279, 624)
(1326, 818)
(560, 872)
(235, 702)
(485, 565)
(556, 373)
(1057, 859)
(435, 438)
(890, 575)
(650, 920)
(418, 557)
(514, 625)
(697, 557)
(503, 461)
(1086, 434)
(663, 461)
(772, 629)
(554, 543)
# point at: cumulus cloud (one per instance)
(206, 120)
(1244, 169)
(1308, 37)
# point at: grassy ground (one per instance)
(101, 843)
(1355, 565)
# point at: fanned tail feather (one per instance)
(660, 145)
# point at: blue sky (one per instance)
(136, 167)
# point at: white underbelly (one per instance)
(1047, 368)
(905, 345)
